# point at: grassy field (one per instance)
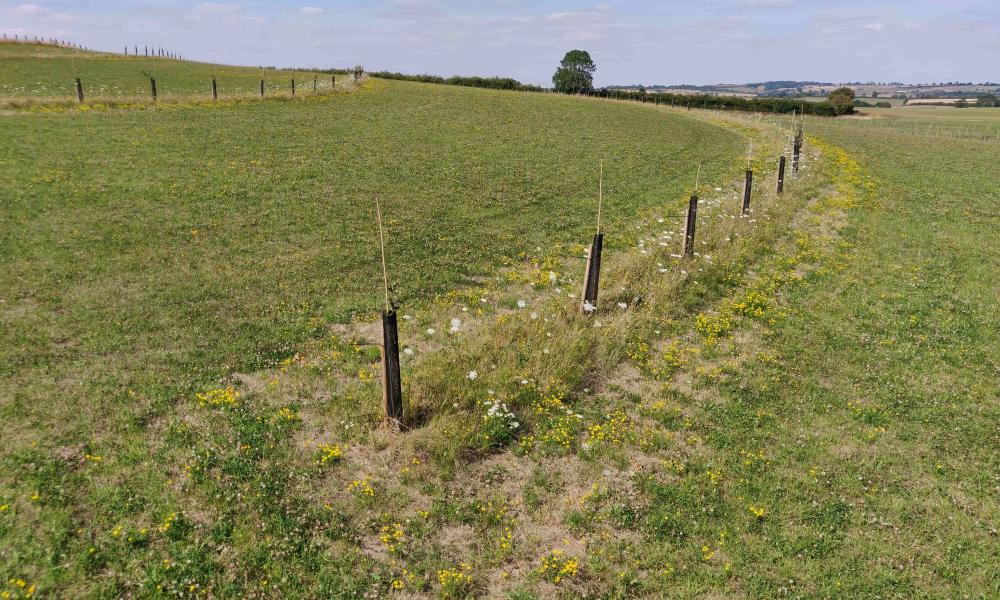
(934, 122)
(146, 255)
(189, 397)
(30, 71)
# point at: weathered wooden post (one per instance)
(333, 81)
(592, 277)
(781, 174)
(747, 190)
(796, 150)
(314, 83)
(689, 229)
(152, 85)
(392, 389)
(748, 185)
(261, 88)
(215, 90)
(293, 87)
(79, 90)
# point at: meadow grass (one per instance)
(190, 397)
(45, 73)
(976, 124)
(149, 254)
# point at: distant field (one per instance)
(931, 122)
(35, 71)
(944, 113)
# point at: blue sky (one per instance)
(637, 41)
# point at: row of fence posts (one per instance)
(392, 395)
(154, 52)
(147, 50)
(215, 87)
(24, 39)
(796, 155)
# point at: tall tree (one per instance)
(842, 100)
(575, 73)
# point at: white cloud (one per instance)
(311, 10)
(29, 10)
(36, 11)
(216, 8)
(600, 13)
(766, 3)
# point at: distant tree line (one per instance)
(770, 105)
(575, 76)
(493, 83)
(865, 104)
(988, 100)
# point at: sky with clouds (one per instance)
(632, 41)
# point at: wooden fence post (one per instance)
(261, 88)
(781, 174)
(79, 90)
(392, 389)
(592, 277)
(796, 149)
(692, 218)
(215, 90)
(392, 392)
(333, 81)
(152, 85)
(314, 83)
(747, 191)
(293, 87)
(591, 280)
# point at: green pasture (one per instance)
(30, 71)
(189, 394)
